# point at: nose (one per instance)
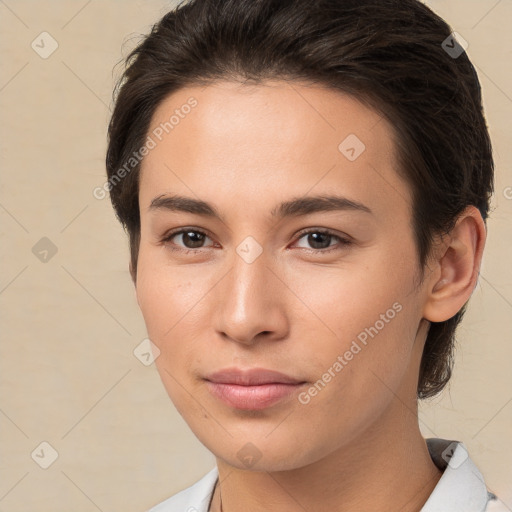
(251, 302)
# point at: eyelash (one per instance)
(342, 242)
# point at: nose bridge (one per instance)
(249, 302)
(248, 292)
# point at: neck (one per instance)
(386, 468)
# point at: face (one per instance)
(302, 262)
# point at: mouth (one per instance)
(253, 389)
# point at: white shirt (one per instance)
(461, 487)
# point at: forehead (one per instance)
(269, 140)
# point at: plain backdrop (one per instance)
(70, 321)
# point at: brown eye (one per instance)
(186, 239)
(321, 240)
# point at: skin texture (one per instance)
(356, 444)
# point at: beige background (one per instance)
(70, 324)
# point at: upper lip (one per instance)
(251, 377)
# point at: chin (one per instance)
(256, 450)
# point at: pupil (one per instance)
(317, 240)
(313, 240)
(193, 234)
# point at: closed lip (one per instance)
(251, 377)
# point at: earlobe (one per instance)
(457, 263)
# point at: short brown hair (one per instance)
(397, 56)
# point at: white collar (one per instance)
(461, 488)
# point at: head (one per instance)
(302, 181)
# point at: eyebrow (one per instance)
(293, 208)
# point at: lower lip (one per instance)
(251, 397)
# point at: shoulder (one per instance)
(462, 487)
(495, 504)
(195, 498)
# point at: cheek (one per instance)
(358, 372)
(345, 299)
(162, 300)
(166, 299)
(167, 296)
(361, 322)
(174, 302)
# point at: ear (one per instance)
(455, 267)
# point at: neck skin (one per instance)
(387, 468)
(393, 473)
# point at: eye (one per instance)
(320, 240)
(191, 239)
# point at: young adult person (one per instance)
(305, 185)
